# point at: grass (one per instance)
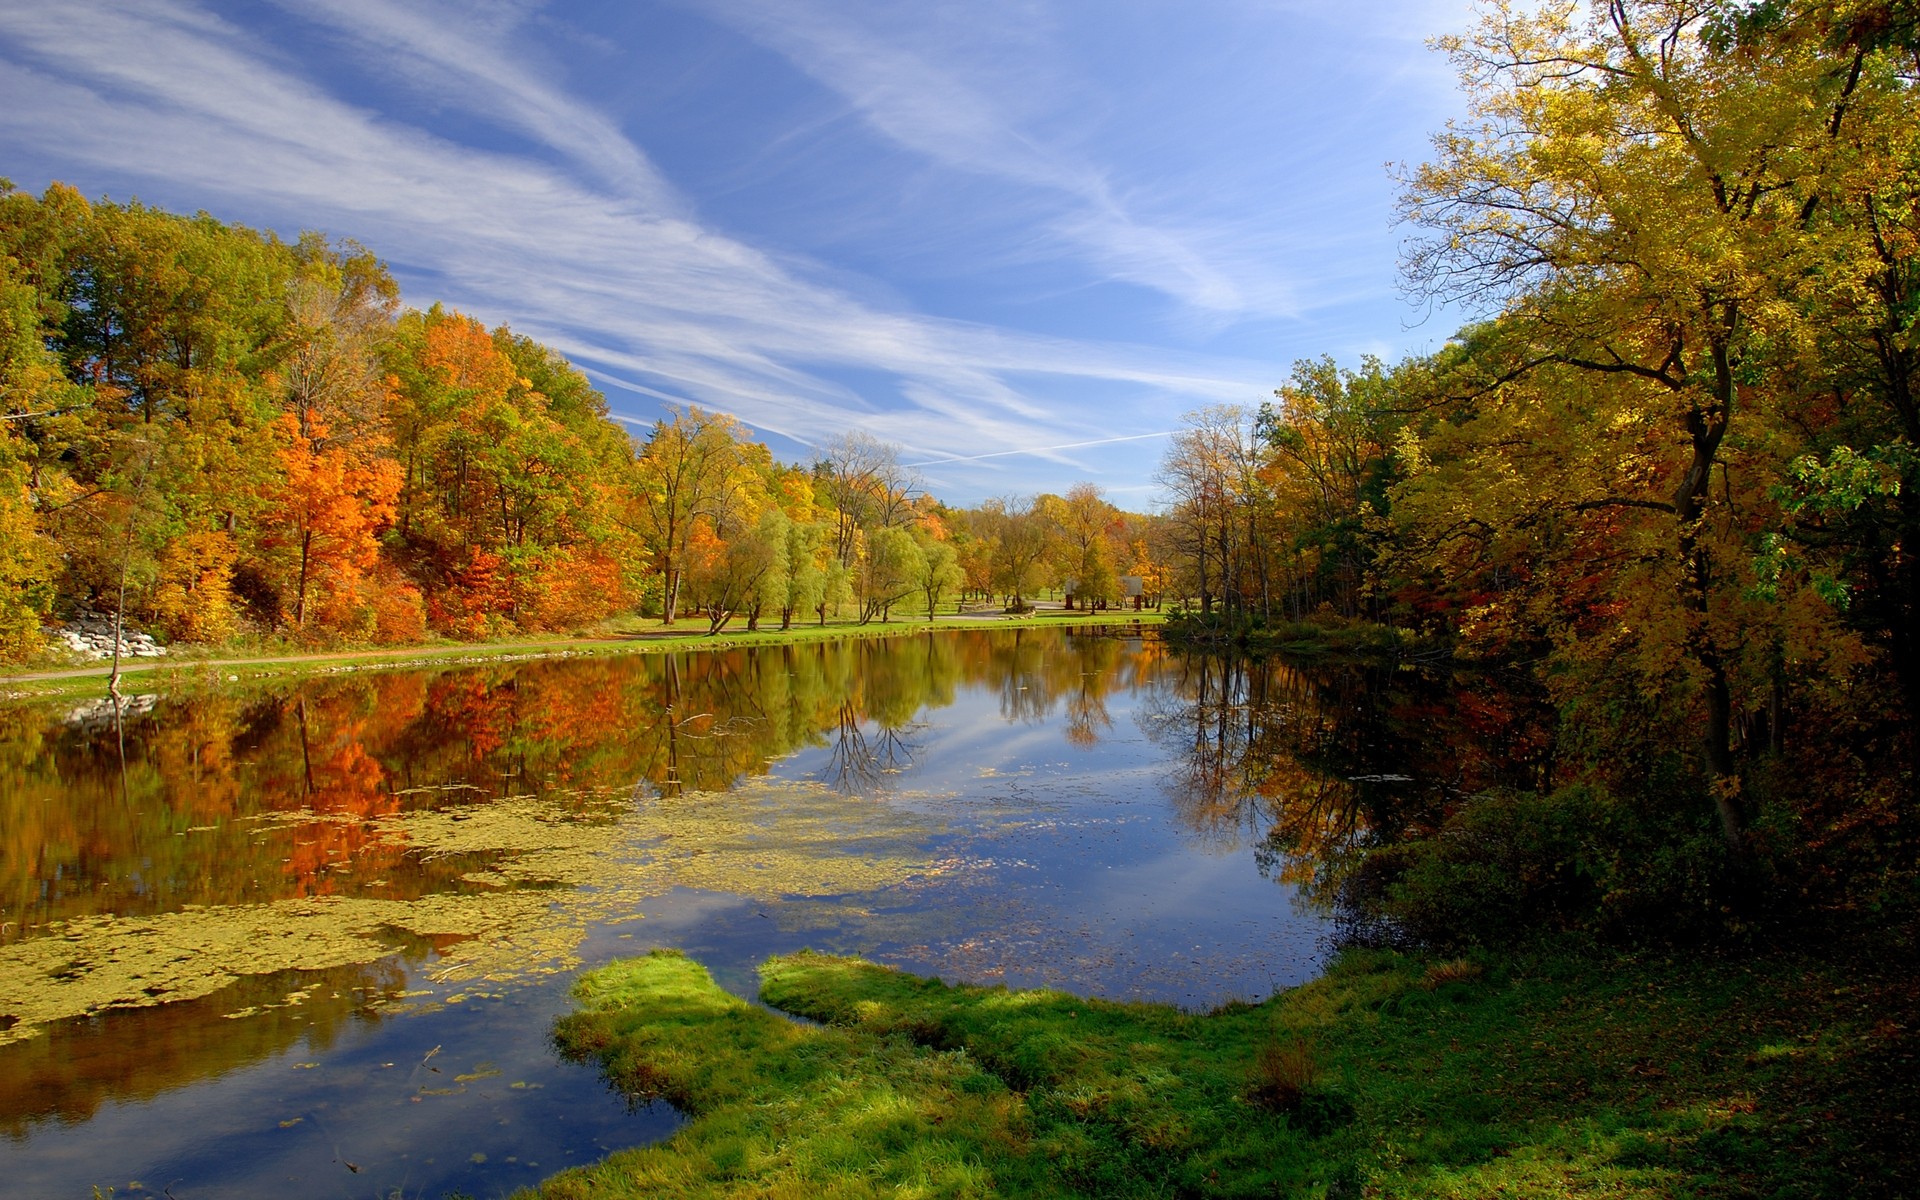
(1555, 1073)
(199, 669)
(1329, 636)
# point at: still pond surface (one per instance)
(310, 943)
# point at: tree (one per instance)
(939, 574)
(30, 388)
(1329, 469)
(802, 581)
(1018, 533)
(686, 465)
(1084, 522)
(1624, 194)
(327, 510)
(893, 569)
(1861, 368)
(738, 564)
(1211, 469)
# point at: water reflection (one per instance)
(1312, 762)
(238, 886)
(227, 799)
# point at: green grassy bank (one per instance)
(1775, 1072)
(198, 671)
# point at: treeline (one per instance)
(212, 430)
(1674, 470)
(220, 434)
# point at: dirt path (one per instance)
(478, 650)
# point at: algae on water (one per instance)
(547, 869)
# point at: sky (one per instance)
(1020, 239)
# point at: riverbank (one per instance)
(1788, 1071)
(189, 672)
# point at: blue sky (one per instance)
(1020, 238)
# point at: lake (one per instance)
(310, 942)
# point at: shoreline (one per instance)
(188, 673)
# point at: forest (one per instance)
(1668, 475)
(1668, 472)
(1565, 674)
(221, 436)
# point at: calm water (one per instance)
(311, 943)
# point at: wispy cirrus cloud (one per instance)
(921, 85)
(583, 242)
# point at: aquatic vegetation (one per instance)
(546, 869)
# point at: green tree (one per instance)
(939, 575)
(893, 569)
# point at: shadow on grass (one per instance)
(1567, 1075)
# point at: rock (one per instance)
(90, 635)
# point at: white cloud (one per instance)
(596, 255)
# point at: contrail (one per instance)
(1132, 437)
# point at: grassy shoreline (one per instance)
(1555, 1071)
(192, 672)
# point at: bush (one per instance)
(1508, 864)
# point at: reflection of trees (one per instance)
(1217, 716)
(221, 799)
(1097, 670)
(858, 763)
(1036, 673)
(66, 1073)
(227, 800)
(1312, 763)
(1016, 666)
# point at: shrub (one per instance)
(1507, 864)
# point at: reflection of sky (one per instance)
(1098, 890)
(1062, 865)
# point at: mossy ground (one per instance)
(1551, 1073)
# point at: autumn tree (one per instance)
(687, 464)
(861, 481)
(1218, 506)
(1017, 530)
(1623, 194)
(326, 511)
(1328, 442)
(1854, 494)
(31, 388)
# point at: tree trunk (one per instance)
(300, 601)
(669, 593)
(1705, 429)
